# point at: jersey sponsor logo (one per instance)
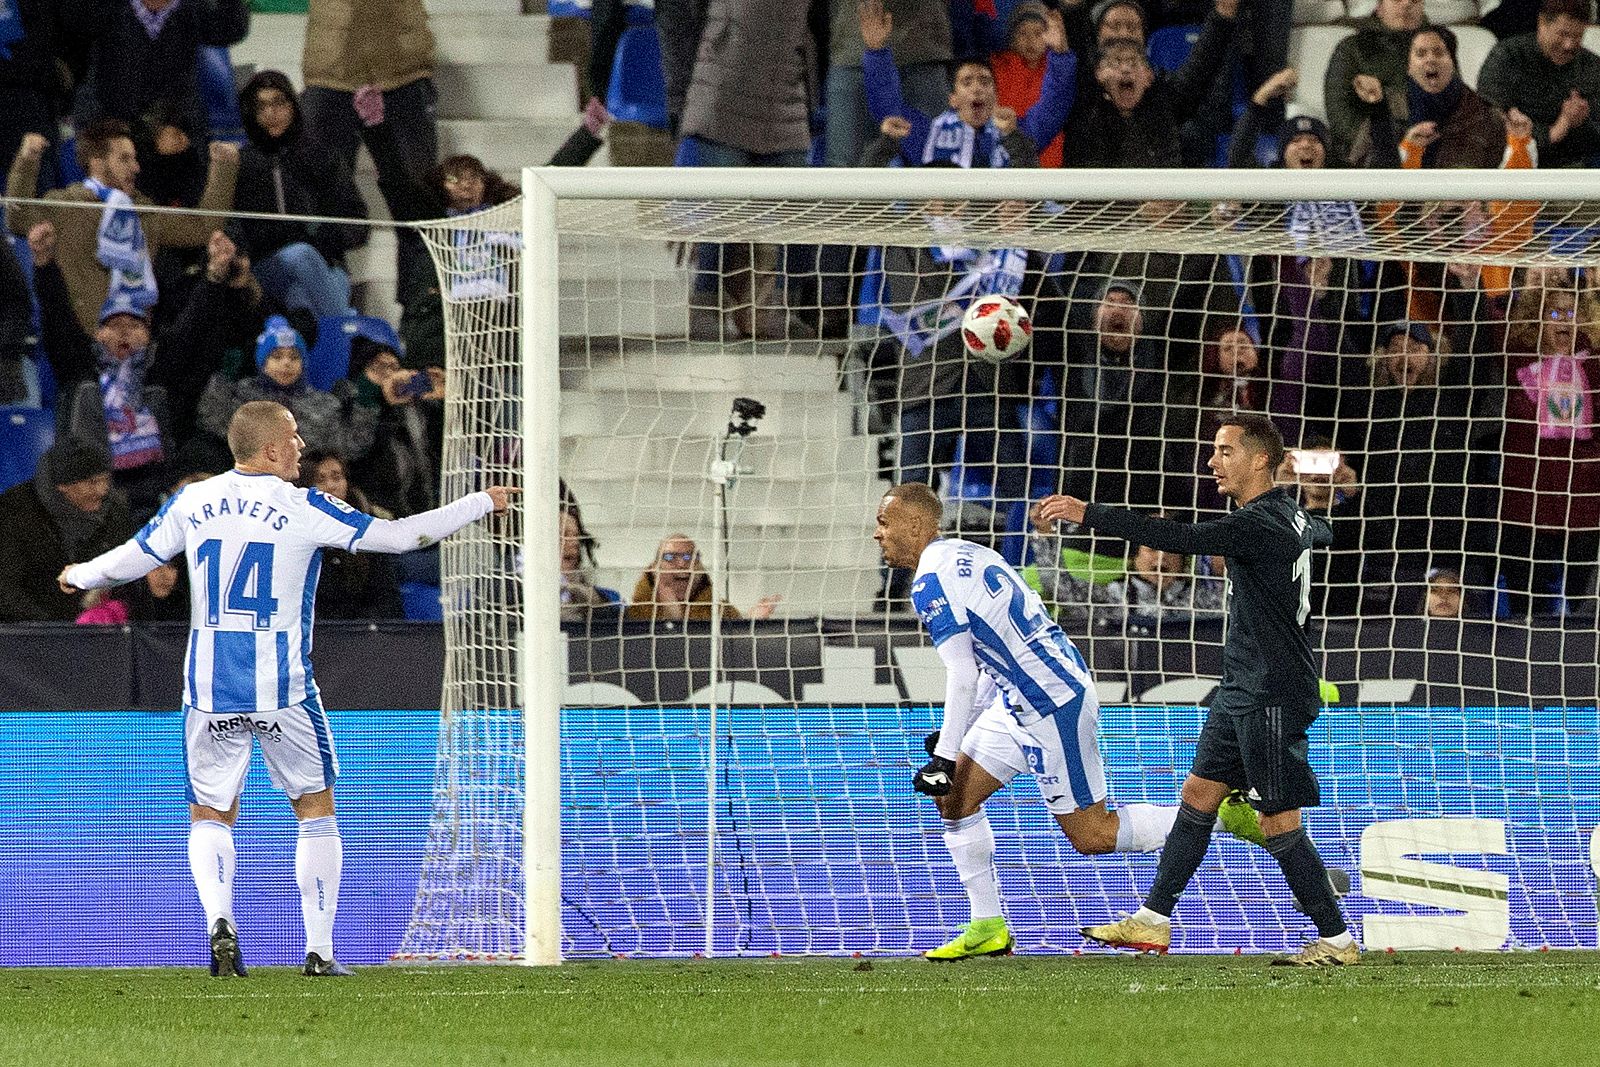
(336, 502)
(1035, 759)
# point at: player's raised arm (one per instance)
(1234, 534)
(155, 543)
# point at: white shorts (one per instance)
(1061, 751)
(295, 742)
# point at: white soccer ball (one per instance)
(995, 328)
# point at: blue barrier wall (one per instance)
(823, 847)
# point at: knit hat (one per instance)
(278, 334)
(1099, 10)
(1300, 126)
(1126, 285)
(1023, 12)
(1417, 331)
(123, 304)
(72, 459)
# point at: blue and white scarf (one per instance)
(1334, 224)
(131, 426)
(480, 268)
(924, 325)
(121, 249)
(950, 140)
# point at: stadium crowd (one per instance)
(1456, 398)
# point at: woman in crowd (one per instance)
(675, 588)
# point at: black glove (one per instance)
(931, 742)
(936, 777)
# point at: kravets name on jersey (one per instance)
(253, 544)
(961, 587)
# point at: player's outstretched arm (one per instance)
(1231, 535)
(425, 528)
(126, 563)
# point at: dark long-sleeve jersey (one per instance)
(1266, 659)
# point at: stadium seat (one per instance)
(1473, 45)
(422, 603)
(569, 9)
(25, 435)
(1318, 12)
(1171, 45)
(329, 359)
(1310, 49)
(1591, 38)
(219, 95)
(1450, 13)
(638, 90)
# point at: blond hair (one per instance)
(253, 427)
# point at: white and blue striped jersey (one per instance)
(961, 587)
(253, 544)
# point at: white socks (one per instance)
(971, 845)
(1145, 915)
(1342, 939)
(318, 859)
(211, 861)
(1143, 827)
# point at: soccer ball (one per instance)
(995, 328)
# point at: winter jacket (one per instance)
(351, 43)
(129, 70)
(77, 230)
(1517, 75)
(1373, 49)
(754, 80)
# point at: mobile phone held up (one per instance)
(1319, 461)
(419, 385)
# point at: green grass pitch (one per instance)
(1096, 1011)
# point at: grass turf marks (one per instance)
(1101, 1010)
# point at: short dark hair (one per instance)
(974, 61)
(94, 139)
(1577, 10)
(1445, 34)
(920, 496)
(1258, 433)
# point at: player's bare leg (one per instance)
(318, 862)
(212, 862)
(970, 840)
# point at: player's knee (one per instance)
(1203, 795)
(1093, 838)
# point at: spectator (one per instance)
(1333, 490)
(1158, 590)
(121, 388)
(459, 186)
(66, 510)
(971, 131)
(30, 84)
(1019, 71)
(1378, 49)
(386, 46)
(1202, 86)
(1449, 124)
(110, 254)
(1115, 405)
(283, 172)
(1442, 598)
(1549, 76)
(401, 471)
(1412, 430)
(160, 596)
(146, 51)
(325, 421)
(16, 326)
(748, 104)
(1302, 140)
(920, 43)
(582, 598)
(676, 588)
(1134, 119)
(355, 585)
(1550, 476)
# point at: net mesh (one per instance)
(1422, 342)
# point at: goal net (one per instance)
(684, 699)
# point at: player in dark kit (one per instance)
(1254, 738)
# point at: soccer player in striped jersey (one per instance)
(253, 542)
(1255, 733)
(1018, 698)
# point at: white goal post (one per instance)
(1183, 211)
